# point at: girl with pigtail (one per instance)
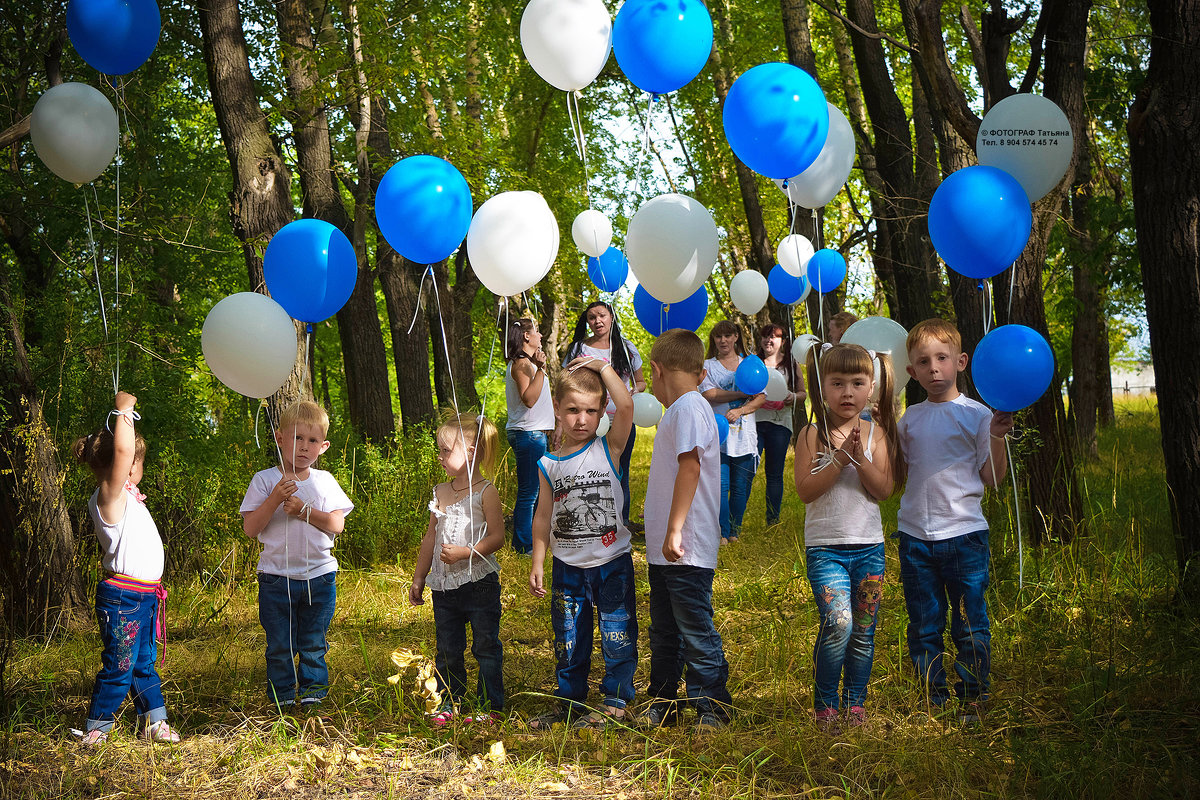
(845, 466)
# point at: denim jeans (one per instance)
(948, 576)
(737, 475)
(774, 439)
(295, 614)
(476, 603)
(609, 589)
(126, 622)
(626, 455)
(847, 583)
(682, 634)
(528, 447)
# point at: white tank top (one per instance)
(460, 524)
(131, 545)
(585, 525)
(846, 514)
(520, 416)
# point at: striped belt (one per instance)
(147, 587)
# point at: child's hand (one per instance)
(672, 548)
(596, 365)
(1002, 423)
(282, 491)
(416, 594)
(536, 581)
(124, 401)
(853, 445)
(452, 554)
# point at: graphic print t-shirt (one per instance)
(585, 525)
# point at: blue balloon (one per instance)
(609, 271)
(657, 317)
(751, 375)
(662, 45)
(979, 221)
(826, 270)
(722, 427)
(114, 36)
(784, 286)
(310, 269)
(423, 207)
(1012, 367)
(776, 120)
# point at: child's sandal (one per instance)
(545, 722)
(598, 721)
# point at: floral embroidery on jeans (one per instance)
(127, 634)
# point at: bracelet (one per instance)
(998, 438)
(129, 414)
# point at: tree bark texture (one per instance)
(1165, 161)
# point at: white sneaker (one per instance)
(160, 732)
(93, 738)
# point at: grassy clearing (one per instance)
(1097, 685)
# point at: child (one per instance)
(954, 448)
(295, 513)
(838, 324)
(579, 518)
(127, 600)
(466, 526)
(683, 533)
(844, 468)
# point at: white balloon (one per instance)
(647, 411)
(793, 254)
(672, 246)
(249, 342)
(826, 176)
(883, 335)
(748, 290)
(74, 131)
(1030, 138)
(512, 242)
(567, 42)
(605, 424)
(592, 232)
(777, 388)
(804, 342)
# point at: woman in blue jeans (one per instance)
(530, 416)
(739, 451)
(774, 419)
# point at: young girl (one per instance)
(844, 467)
(466, 526)
(127, 600)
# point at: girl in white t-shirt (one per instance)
(844, 467)
(466, 526)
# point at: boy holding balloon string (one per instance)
(954, 447)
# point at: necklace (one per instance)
(463, 489)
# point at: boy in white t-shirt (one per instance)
(954, 447)
(683, 532)
(295, 513)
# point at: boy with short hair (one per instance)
(954, 448)
(683, 533)
(295, 513)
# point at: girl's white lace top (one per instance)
(460, 524)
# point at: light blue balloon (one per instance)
(114, 36)
(826, 270)
(609, 271)
(751, 375)
(657, 317)
(979, 221)
(661, 45)
(1012, 367)
(776, 120)
(423, 208)
(785, 287)
(310, 269)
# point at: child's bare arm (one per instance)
(111, 500)
(686, 481)
(996, 466)
(416, 591)
(622, 423)
(541, 537)
(332, 522)
(253, 522)
(875, 474)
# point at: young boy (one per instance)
(954, 448)
(578, 518)
(295, 513)
(683, 533)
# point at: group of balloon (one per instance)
(776, 120)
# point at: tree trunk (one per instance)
(1165, 162)
(1088, 328)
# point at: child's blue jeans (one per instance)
(847, 583)
(948, 576)
(737, 476)
(295, 615)
(575, 592)
(476, 603)
(126, 622)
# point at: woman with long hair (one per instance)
(530, 418)
(774, 420)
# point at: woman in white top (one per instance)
(739, 451)
(774, 419)
(600, 319)
(530, 418)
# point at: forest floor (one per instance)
(1096, 684)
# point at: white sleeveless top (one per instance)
(520, 416)
(585, 527)
(131, 545)
(460, 524)
(846, 514)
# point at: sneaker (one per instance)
(442, 718)
(544, 722)
(855, 716)
(160, 732)
(827, 721)
(972, 713)
(309, 703)
(93, 738)
(658, 715)
(710, 721)
(491, 718)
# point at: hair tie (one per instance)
(874, 356)
(825, 347)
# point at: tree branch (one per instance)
(870, 35)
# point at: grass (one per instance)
(1096, 678)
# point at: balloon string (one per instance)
(580, 140)
(1012, 468)
(816, 230)
(120, 91)
(428, 273)
(491, 352)
(96, 270)
(988, 306)
(287, 551)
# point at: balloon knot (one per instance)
(308, 327)
(785, 183)
(979, 286)
(655, 96)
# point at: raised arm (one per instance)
(529, 375)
